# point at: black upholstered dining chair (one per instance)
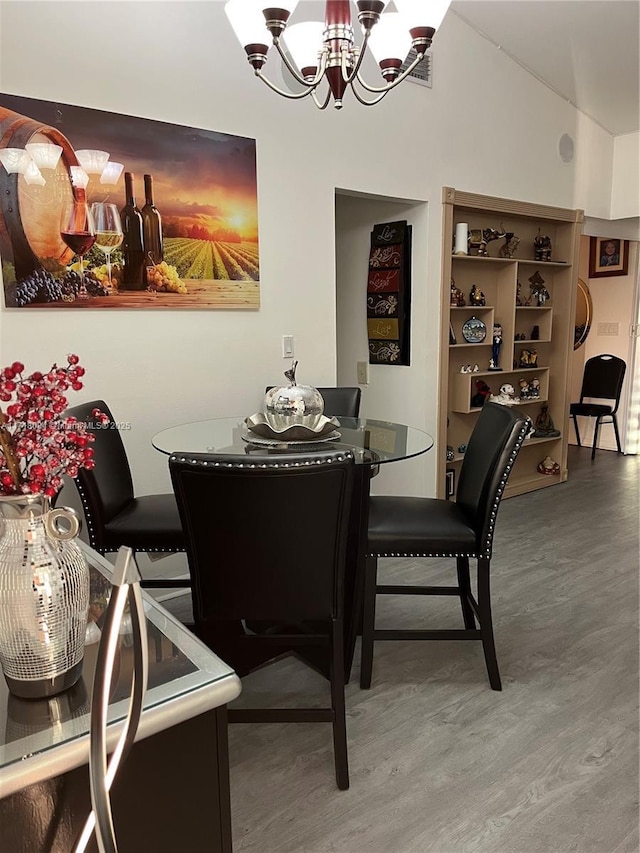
(114, 516)
(339, 402)
(602, 380)
(266, 541)
(433, 527)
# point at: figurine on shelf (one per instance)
(519, 302)
(542, 247)
(477, 297)
(533, 358)
(545, 428)
(466, 368)
(525, 358)
(510, 245)
(462, 448)
(524, 389)
(482, 393)
(457, 296)
(548, 466)
(450, 453)
(534, 389)
(495, 348)
(538, 291)
(476, 368)
(535, 333)
(506, 397)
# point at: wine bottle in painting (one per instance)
(133, 273)
(151, 226)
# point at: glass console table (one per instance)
(171, 791)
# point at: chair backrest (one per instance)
(106, 489)
(339, 402)
(492, 450)
(603, 377)
(265, 537)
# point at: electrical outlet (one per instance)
(287, 346)
(363, 373)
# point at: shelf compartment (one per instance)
(463, 387)
(526, 318)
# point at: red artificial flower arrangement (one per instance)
(37, 445)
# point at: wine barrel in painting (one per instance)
(30, 214)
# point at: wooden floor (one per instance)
(439, 762)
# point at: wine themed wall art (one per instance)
(100, 210)
(389, 293)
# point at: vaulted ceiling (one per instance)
(587, 51)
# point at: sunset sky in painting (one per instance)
(200, 177)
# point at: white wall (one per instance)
(407, 390)
(485, 127)
(625, 190)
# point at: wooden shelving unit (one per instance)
(498, 279)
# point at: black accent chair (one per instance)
(114, 516)
(339, 402)
(266, 542)
(433, 527)
(602, 380)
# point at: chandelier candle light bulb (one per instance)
(328, 50)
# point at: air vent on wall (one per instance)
(422, 73)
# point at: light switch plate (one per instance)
(363, 373)
(287, 346)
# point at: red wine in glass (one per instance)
(78, 231)
(79, 241)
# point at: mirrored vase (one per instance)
(44, 597)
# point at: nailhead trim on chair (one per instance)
(493, 513)
(303, 463)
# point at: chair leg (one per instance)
(614, 419)
(486, 624)
(464, 582)
(575, 424)
(368, 621)
(596, 430)
(338, 705)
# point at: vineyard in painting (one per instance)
(208, 259)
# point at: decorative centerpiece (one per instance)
(44, 578)
(292, 413)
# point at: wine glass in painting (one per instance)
(106, 218)
(78, 232)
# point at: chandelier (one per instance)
(328, 50)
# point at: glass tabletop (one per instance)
(373, 442)
(43, 738)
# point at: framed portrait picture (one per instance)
(608, 256)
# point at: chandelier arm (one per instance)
(371, 103)
(292, 95)
(377, 89)
(316, 101)
(293, 70)
(349, 78)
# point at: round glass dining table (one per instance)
(373, 443)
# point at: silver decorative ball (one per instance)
(293, 405)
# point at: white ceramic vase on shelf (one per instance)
(44, 597)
